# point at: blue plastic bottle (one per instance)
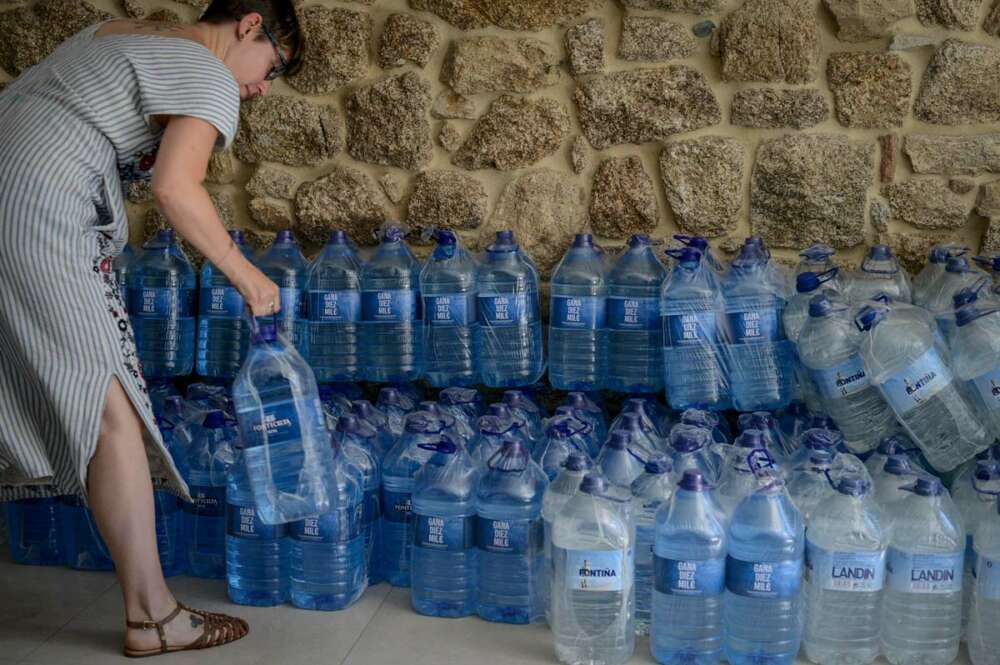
(358, 441)
(33, 531)
(170, 533)
(223, 328)
(464, 405)
(510, 328)
(80, 541)
(448, 287)
(585, 438)
(445, 563)
(563, 436)
(690, 448)
(691, 305)
(396, 406)
(492, 430)
(285, 265)
(208, 460)
(161, 302)
(522, 405)
(327, 563)
(390, 311)
(257, 553)
(588, 410)
(121, 267)
(511, 538)
(650, 491)
(365, 411)
(621, 460)
(635, 336)
(577, 338)
(334, 285)
(759, 360)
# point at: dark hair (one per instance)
(279, 17)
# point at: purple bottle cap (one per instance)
(338, 237)
(639, 240)
(619, 440)
(818, 438)
(880, 253)
(957, 264)
(578, 462)
(583, 240)
(750, 438)
(928, 486)
(214, 420)
(284, 236)
(694, 481)
(897, 465)
(852, 486)
(593, 484)
(820, 306)
(266, 333)
(362, 408)
(688, 438)
(456, 396)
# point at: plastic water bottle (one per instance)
(327, 565)
(991, 266)
(208, 459)
(333, 282)
(223, 328)
(829, 347)
(761, 610)
(846, 548)
(588, 410)
(644, 442)
(562, 439)
(779, 446)
(445, 560)
(161, 302)
(808, 285)
(818, 259)
(257, 553)
(593, 577)
(79, 539)
(620, 460)
(492, 430)
(448, 285)
(390, 310)
(449, 422)
(577, 336)
(398, 469)
(586, 437)
(792, 421)
(706, 420)
(812, 440)
(122, 266)
(922, 607)
(635, 336)
(897, 443)
(365, 411)
(689, 577)
(560, 490)
(463, 404)
(760, 361)
(358, 440)
(983, 638)
(649, 491)
(902, 359)
(976, 500)
(396, 406)
(510, 537)
(691, 304)
(897, 472)
(690, 449)
(940, 297)
(737, 480)
(284, 264)
(976, 358)
(933, 270)
(809, 485)
(521, 405)
(510, 327)
(880, 273)
(335, 405)
(33, 531)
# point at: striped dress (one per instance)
(74, 130)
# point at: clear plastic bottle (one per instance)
(284, 264)
(445, 563)
(846, 548)
(650, 413)
(448, 286)
(897, 472)
(367, 412)
(707, 420)
(169, 526)
(223, 326)
(940, 296)
(358, 441)
(778, 445)
(646, 442)
(396, 406)
(79, 539)
(521, 405)
(809, 485)
(791, 423)
(829, 347)
(463, 404)
(586, 437)
(689, 576)
(635, 336)
(577, 335)
(902, 358)
(983, 637)
(649, 491)
(933, 270)
(818, 259)
(808, 285)
(511, 538)
(737, 480)
(562, 439)
(922, 606)
(592, 585)
(211, 452)
(897, 443)
(690, 448)
(121, 267)
(33, 531)
(161, 306)
(619, 460)
(976, 359)
(691, 305)
(492, 430)
(510, 327)
(991, 266)
(333, 282)
(975, 498)
(390, 312)
(588, 410)
(880, 273)
(561, 489)
(761, 609)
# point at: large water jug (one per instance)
(33, 531)
(493, 430)
(223, 327)
(169, 524)
(897, 473)
(333, 283)
(365, 411)
(523, 406)
(561, 489)
(563, 437)
(510, 327)
(577, 336)
(690, 448)
(897, 443)
(649, 491)
(79, 538)
(464, 405)
(880, 273)
(933, 270)
(818, 259)
(390, 310)
(358, 440)
(975, 497)
(808, 285)
(940, 297)
(161, 304)
(209, 456)
(448, 286)
(587, 409)
(809, 485)
(635, 336)
(122, 266)
(976, 358)
(285, 265)
(736, 479)
(983, 637)
(621, 460)
(396, 405)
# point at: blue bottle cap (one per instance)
(445, 237)
(818, 252)
(818, 438)
(659, 464)
(593, 484)
(966, 296)
(820, 306)
(694, 481)
(698, 242)
(500, 410)
(750, 438)
(578, 461)
(619, 440)
(515, 399)
(456, 396)
(504, 243)
(639, 240)
(685, 256)
(362, 408)
(852, 486)
(238, 237)
(338, 237)
(214, 420)
(513, 448)
(392, 234)
(897, 465)
(991, 264)
(869, 317)
(957, 264)
(890, 445)
(495, 425)
(349, 424)
(423, 422)
(973, 311)
(688, 439)
(880, 253)
(266, 333)
(583, 240)
(389, 396)
(927, 486)
(938, 254)
(166, 236)
(566, 410)
(579, 400)
(560, 427)
(630, 422)
(987, 470)
(821, 457)
(807, 282)
(284, 236)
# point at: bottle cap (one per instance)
(284, 236)
(639, 240)
(338, 237)
(957, 264)
(214, 420)
(389, 396)
(880, 253)
(619, 440)
(392, 234)
(750, 438)
(659, 464)
(504, 243)
(927, 486)
(890, 445)
(166, 236)
(516, 399)
(579, 400)
(630, 422)
(694, 481)
(688, 439)
(445, 237)
(362, 408)
(821, 457)
(964, 297)
(807, 282)
(238, 237)
(495, 425)
(897, 465)
(818, 438)
(972, 312)
(423, 422)
(456, 396)
(987, 470)
(266, 333)
(852, 486)
(938, 254)
(513, 447)
(869, 317)
(686, 256)
(593, 484)
(991, 264)
(698, 242)
(560, 427)
(578, 461)
(583, 240)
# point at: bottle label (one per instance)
(274, 423)
(389, 305)
(338, 526)
(291, 304)
(845, 571)
(447, 534)
(223, 302)
(988, 387)
(755, 325)
(577, 312)
(689, 578)
(601, 570)
(924, 573)
(396, 506)
(844, 380)
(334, 306)
(692, 328)
(161, 302)
(505, 310)
(510, 536)
(772, 579)
(987, 578)
(243, 522)
(633, 313)
(455, 309)
(372, 506)
(207, 501)
(921, 381)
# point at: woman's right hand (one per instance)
(261, 294)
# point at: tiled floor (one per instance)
(55, 616)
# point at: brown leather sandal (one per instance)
(219, 629)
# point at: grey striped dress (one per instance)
(72, 129)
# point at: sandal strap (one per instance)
(157, 625)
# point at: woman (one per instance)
(75, 417)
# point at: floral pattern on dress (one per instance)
(139, 167)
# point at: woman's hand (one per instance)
(261, 294)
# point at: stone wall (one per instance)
(842, 121)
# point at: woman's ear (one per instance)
(249, 26)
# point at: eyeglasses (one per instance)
(283, 67)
